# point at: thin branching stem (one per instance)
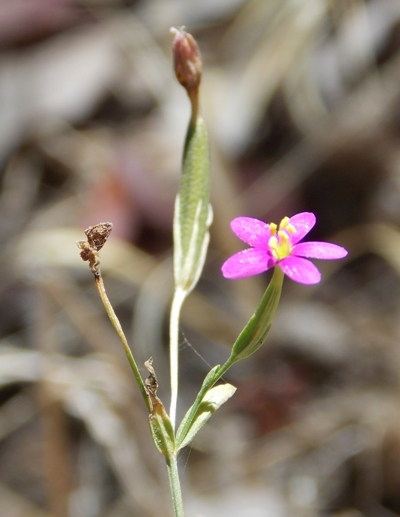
(178, 299)
(116, 324)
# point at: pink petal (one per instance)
(247, 263)
(319, 250)
(300, 270)
(251, 231)
(303, 223)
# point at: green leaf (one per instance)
(212, 400)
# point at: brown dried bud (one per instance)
(187, 60)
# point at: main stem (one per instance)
(175, 486)
(179, 297)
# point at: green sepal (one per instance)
(162, 430)
(212, 400)
(193, 214)
(255, 332)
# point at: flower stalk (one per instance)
(255, 332)
(249, 340)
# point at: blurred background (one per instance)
(302, 102)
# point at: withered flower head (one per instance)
(97, 236)
(187, 60)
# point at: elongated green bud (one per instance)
(193, 213)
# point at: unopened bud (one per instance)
(187, 60)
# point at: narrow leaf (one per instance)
(209, 381)
(213, 399)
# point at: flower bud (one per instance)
(187, 60)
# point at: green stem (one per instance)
(116, 324)
(178, 299)
(175, 486)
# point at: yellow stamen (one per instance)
(283, 224)
(273, 228)
(273, 242)
(273, 246)
(279, 244)
(283, 236)
(291, 229)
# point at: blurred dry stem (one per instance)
(58, 481)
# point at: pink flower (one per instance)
(274, 245)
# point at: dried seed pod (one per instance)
(98, 234)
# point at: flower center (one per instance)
(280, 243)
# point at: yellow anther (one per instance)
(283, 236)
(279, 242)
(273, 242)
(279, 245)
(274, 247)
(283, 224)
